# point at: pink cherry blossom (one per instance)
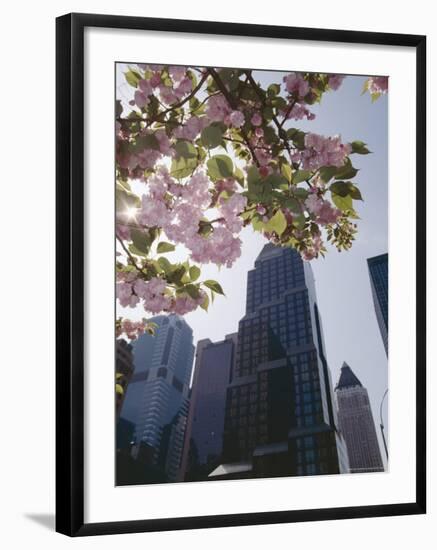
(378, 84)
(145, 86)
(298, 112)
(132, 329)
(230, 210)
(167, 94)
(323, 210)
(296, 84)
(184, 87)
(263, 156)
(191, 128)
(155, 80)
(177, 73)
(335, 81)
(153, 212)
(141, 100)
(322, 151)
(217, 108)
(235, 119)
(256, 119)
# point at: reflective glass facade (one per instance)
(378, 270)
(279, 414)
(157, 397)
(204, 435)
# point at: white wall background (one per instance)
(27, 94)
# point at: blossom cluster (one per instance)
(205, 211)
(377, 84)
(154, 295)
(179, 209)
(322, 209)
(322, 151)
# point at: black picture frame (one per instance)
(70, 273)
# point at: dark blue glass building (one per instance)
(378, 270)
(206, 419)
(280, 418)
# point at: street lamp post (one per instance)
(381, 423)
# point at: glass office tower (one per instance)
(206, 419)
(280, 418)
(157, 396)
(378, 271)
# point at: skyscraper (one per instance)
(206, 419)
(356, 424)
(156, 401)
(280, 418)
(124, 368)
(378, 270)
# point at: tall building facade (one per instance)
(356, 423)
(157, 397)
(280, 418)
(378, 271)
(206, 419)
(124, 368)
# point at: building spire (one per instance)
(347, 378)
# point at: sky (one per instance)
(342, 280)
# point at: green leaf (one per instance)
(344, 188)
(147, 141)
(359, 147)
(165, 247)
(134, 250)
(185, 149)
(140, 240)
(286, 172)
(346, 172)
(279, 103)
(257, 223)
(277, 223)
(299, 221)
(293, 204)
(274, 180)
(132, 78)
(192, 291)
(273, 90)
(178, 275)
(253, 175)
(301, 193)
(185, 161)
(125, 199)
(214, 286)
(211, 136)
(301, 175)
(165, 265)
(119, 389)
(194, 272)
(327, 172)
(343, 203)
(205, 304)
(267, 113)
(239, 175)
(220, 167)
(297, 136)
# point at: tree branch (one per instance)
(234, 106)
(281, 132)
(172, 108)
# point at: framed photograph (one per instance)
(240, 213)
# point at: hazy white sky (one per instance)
(342, 280)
